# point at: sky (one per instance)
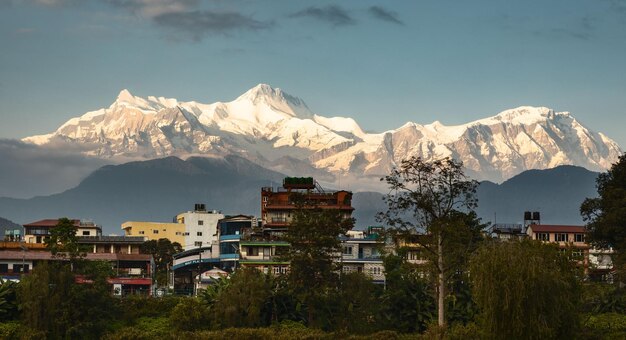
(382, 63)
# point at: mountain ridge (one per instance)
(266, 124)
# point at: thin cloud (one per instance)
(29, 170)
(198, 24)
(155, 8)
(383, 14)
(25, 30)
(334, 15)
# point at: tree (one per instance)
(245, 301)
(313, 235)
(434, 199)
(63, 242)
(525, 290)
(406, 304)
(606, 215)
(163, 252)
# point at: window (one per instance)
(577, 254)
(542, 236)
(155, 231)
(17, 268)
(187, 233)
(178, 233)
(198, 244)
(200, 222)
(141, 232)
(4, 268)
(252, 251)
(560, 237)
(199, 233)
(85, 232)
(347, 250)
(579, 237)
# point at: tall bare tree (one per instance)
(434, 200)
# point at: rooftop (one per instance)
(549, 228)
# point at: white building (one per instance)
(200, 227)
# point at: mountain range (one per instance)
(278, 131)
(156, 190)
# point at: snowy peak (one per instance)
(524, 115)
(151, 104)
(265, 124)
(277, 99)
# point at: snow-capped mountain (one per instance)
(279, 131)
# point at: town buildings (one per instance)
(132, 270)
(191, 229)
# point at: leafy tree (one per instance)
(313, 235)
(525, 290)
(51, 302)
(406, 303)
(8, 300)
(190, 314)
(246, 301)
(63, 242)
(163, 252)
(357, 303)
(213, 292)
(606, 214)
(435, 200)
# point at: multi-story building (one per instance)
(132, 270)
(278, 205)
(174, 232)
(264, 255)
(200, 227)
(231, 229)
(597, 263)
(39, 231)
(361, 253)
(191, 229)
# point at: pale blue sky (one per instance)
(380, 62)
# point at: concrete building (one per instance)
(361, 253)
(230, 230)
(174, 232)
(39, 231)
(200, 227)
(278, 206)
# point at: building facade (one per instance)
(174, 232)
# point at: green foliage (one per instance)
(606, 326)
(8, 300)
(407, 304)
(10, 330)
(51, 302)
(135, 306)
(435, 200)
(606, 214)
(313, 235)
(63, 242)
(468, 331)
(357, 304)
(211, 295)
(525, 290)
(245, 302)
(190, 314)
(163, 251)
(598, 298)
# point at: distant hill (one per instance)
(156, 190)
(556, 193)
(7, 225)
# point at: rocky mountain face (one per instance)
(278, 131)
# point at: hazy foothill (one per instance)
(184, 169)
